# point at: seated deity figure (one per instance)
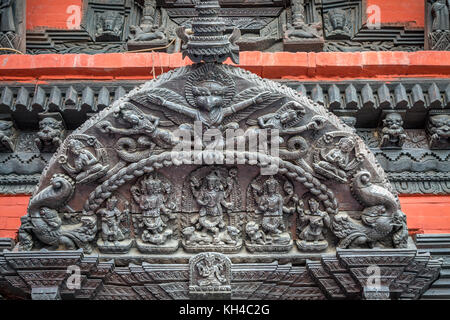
(211, 196)
(85, 163)
(337, 161)
(146, 33)
(315, 221)
(111, 218)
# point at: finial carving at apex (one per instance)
(206, 41)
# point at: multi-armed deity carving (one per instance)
(267, 208)
(438, 129)
(8, 136)
(51, 132)
(392, 134)
(216, 194)
(155, 223)
(84, 158)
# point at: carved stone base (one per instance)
(224, 248)
(140, 45)
(169, 247)
(269, 247)
(308, 45)
(311, 246)
(114, 247)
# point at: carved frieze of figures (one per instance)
(438, 129)
(338, 24)
(109, 26)
(84, 158)
(51, 132)
(212, 201)
(392, 134)
(8, 136)
(115, 227)
(312, 225)
(270, 201)
(336, 156)
(155, 226)
(210, 276)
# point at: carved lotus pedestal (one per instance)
(118, 247)
(169, 247)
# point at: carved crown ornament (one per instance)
(173, 167)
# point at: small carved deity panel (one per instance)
(312, 226)
(147, 33)
(8, 136)
(155, 224)
(210, 276)
(392, 134)
(51, 132)
(84, 158)
(211, 200)
(109, 26)
(115, 227)
(338, 24)
(336, 156)
(438, 129)
(269, 201)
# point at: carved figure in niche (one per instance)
(438, 129)
(338, 24)
(215, 192)
(8, 135)
(140, 123)
(336, 159)
(86, 166)
(114, 234)
(147, 31)
(440, 14)
(153, 197)
(109, 26)
(313, 224)
(50, 134)
(393, 134)
(299, 29)
(210, 276)
(270, 233)
(209, 91)
(382, 220)
(7, 24)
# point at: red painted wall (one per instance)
(410, 13)
(426, 214)
(54, 14)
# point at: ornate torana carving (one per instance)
(392, 134)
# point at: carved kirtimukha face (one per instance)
(338, 19)
(440, 125)
(393, 121)
(108, 21)
(209, 94)
(49, 128)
